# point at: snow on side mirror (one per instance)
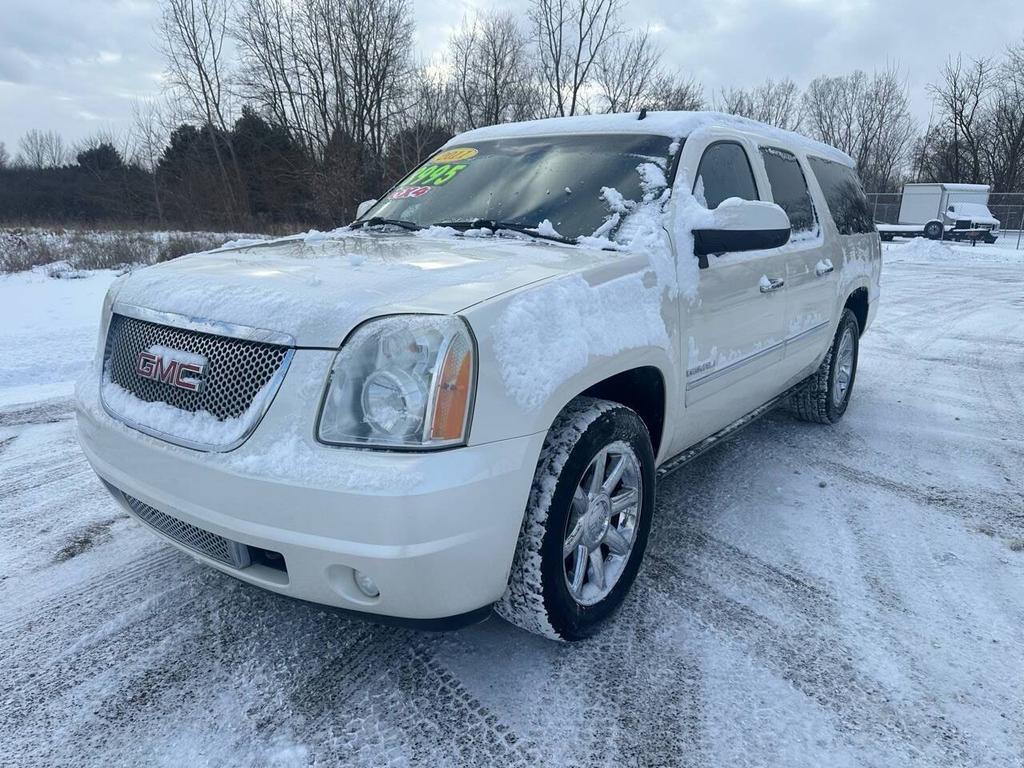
(364, 207)
(742, 225)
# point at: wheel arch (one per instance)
(858, 303)
(641, 389)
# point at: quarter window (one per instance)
(844, 195)
(724, 172)
(789, 188)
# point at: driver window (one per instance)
(724, 172)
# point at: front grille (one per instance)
(202, 541)
(237, 369)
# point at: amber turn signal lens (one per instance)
(452, 401)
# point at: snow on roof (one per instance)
(951, 187)
(675, 125)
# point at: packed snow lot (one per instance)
(848, 595)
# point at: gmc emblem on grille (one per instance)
(167, 370)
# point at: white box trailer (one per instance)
(946, 211)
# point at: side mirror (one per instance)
(364, 207)
(742, 225)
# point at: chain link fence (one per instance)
(1008, 207)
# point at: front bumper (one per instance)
(435, 531)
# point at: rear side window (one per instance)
(844, 195)
(724, 172)
(789, 188)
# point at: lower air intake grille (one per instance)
(205, 543)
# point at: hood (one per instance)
(318, 287)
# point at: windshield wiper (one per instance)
(506, 225)
(378, 221)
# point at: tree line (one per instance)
(280, 113)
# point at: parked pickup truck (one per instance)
(463, 400)
(944, 211)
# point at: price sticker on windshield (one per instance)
(457, 155)
(434, 175)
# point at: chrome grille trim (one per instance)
(241, 362)
(197, 539)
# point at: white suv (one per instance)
(462, 401)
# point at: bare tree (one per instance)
(675, 91)
(150, 134)
(376, 51)
(193, 38)
(5, 158)
(42, 149)
(625, 71)
(1004, 148)
(868, 117)
(776, 102)
(961, 95)
(492, 77)
(569, 36)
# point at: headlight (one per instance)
(401, 382)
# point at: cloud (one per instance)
(63, 64)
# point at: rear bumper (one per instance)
(435, 531)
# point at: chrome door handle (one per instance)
(769, 284)
(823, 267)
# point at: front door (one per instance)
(734, 332)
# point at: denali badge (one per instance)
(171, 366)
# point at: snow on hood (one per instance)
(318, 287)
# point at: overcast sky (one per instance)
(75, 65)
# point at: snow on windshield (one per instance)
(979, 210)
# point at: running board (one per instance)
(699, 449)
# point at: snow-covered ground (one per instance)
(812, 596)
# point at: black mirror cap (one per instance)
(709, 241)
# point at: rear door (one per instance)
(733, 333)
(811, 268)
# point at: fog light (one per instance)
(366, 585)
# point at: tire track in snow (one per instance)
(999, 506)
(814, 659)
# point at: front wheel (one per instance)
(933, 230)
(586, 524)
(826, 395)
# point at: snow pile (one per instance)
(548, 334)
(547, 229)
(928, 250)
(196, 427)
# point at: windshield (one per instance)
(970, 209)
(528, 181)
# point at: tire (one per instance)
(541, 596)
(991, 240)
(887, 238)
(934, 230)
(827, 393)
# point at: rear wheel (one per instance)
(586, 522)
(827, 393)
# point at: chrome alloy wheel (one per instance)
(842, 373)
(602, 524)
